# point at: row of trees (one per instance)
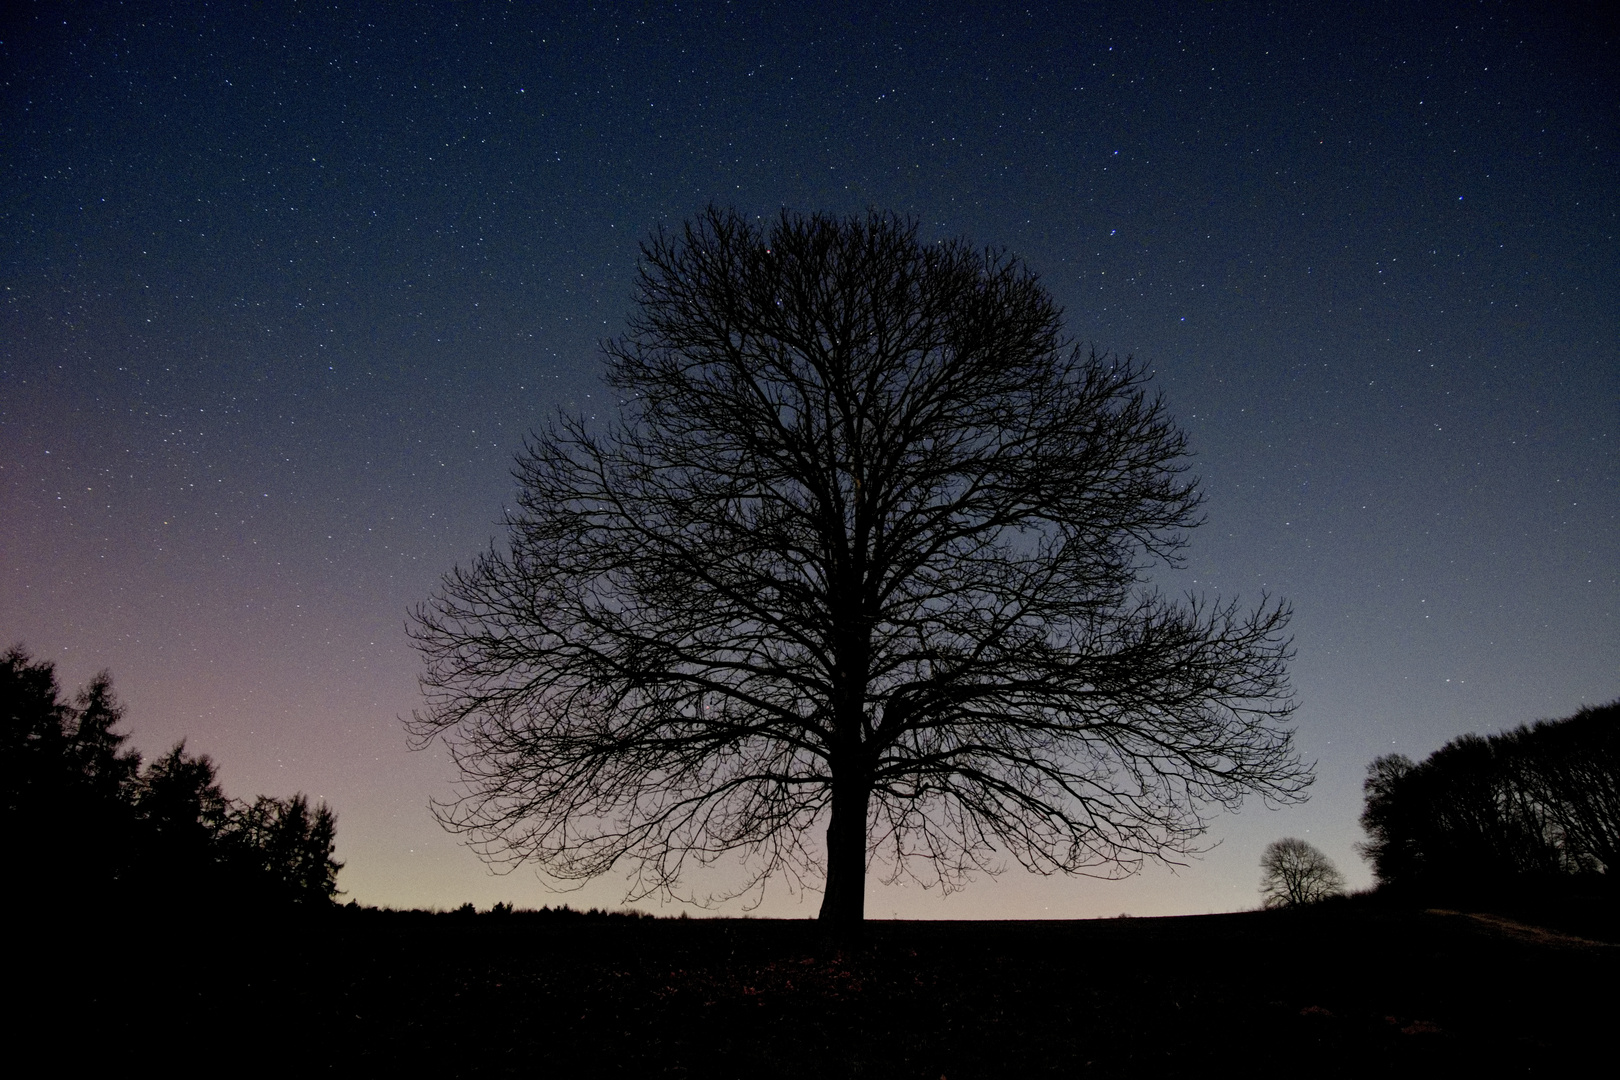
(1537, 804)
(87, 819)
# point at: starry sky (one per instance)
(286, 285)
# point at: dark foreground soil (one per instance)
(1340, 990)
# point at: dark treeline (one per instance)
(1527, 812)
(548, 913)
(90, 823)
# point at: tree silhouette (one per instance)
(183, 813)
(1295, 872)
(287, 848)
(1392, 845)
(51, 747)
(1483, 814)
(1571, 767)
(66, 778)
(83, 815)
(865, 544)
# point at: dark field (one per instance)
(1343, 989)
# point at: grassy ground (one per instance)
(1343, 989)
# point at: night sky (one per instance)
(286, 286)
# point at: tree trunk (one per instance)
(844, 902)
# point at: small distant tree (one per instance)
(1296, 873)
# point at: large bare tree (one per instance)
(867, 545)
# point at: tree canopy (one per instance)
(867, 546)
(1488, 813)
(1295, 872)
